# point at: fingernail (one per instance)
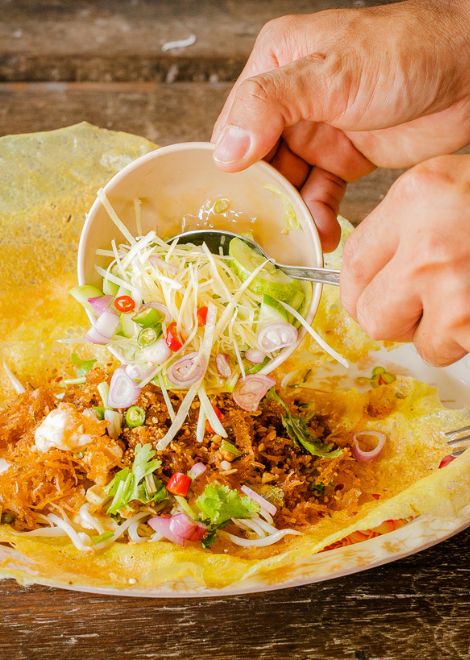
(232, 145)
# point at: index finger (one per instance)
(369, 248)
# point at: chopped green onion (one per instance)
(254, 368)
(221, 205)
(150, 484)
(83, 366)
(7, 518)
(225, 445)
(148, 318)
(132, 484)
(103, 390)
(135, 416)
(122, 488)
(73, 381)
(147, 337)
(187, 509)
(376, 371)
(99, 412)
(102, 537)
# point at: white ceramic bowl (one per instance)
(177, 180)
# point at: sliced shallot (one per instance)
(123, 392)
(197, 470)
(161, 524)
(223, 365)
(249, 391)
(96, 337)
(368, 455)
(276, 336)
(156, 353)
(255, 356)
(187, 370)
(178, 528)
(100, 304)
(189, 530)
(103, 328)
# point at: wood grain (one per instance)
(101, 61)
(115, 40)
(162, 113)
(415, 608)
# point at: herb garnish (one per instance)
(138, 483)
(298, 431)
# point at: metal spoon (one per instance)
(216, 239)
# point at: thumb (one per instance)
(264, 105)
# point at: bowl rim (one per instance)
(306, 222)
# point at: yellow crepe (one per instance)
(48, 182)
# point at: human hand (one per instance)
(329, 96)
(406, 268)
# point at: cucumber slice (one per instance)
(148, 318)
(83, 292)
(307, 289)
(297, 299)
(270, 281)
(271, 311)
(127, 326)
(110, 288)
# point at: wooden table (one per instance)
(64, 62)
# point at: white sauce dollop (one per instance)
(59, 429)
(4, 465)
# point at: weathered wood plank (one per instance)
(115, 40)
(415, 608)
(160, 112)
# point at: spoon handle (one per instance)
(320, 275)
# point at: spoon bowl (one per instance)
(218, 240)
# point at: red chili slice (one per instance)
(172, 338)
(446, 460)
(178, 484)
(202, 316)
(124, 304)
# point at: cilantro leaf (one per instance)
(297, 429)
(219, 503)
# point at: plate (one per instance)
(453, 384)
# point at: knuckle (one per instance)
(438, 348)
(426, 176)
(370, 322)
(435, 354)
(259, 87)
(352, 260)
(277, 27)
(275, 35)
